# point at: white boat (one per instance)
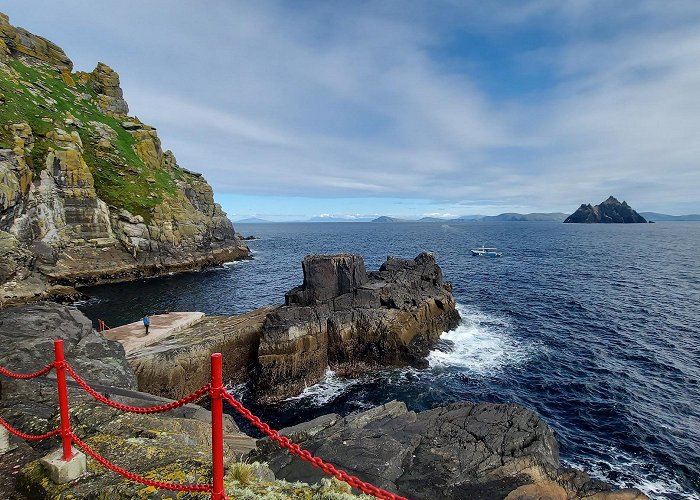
(486, 252)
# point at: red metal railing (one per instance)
(218, 395)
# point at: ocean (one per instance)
(594, 327)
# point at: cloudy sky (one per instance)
(408, 108)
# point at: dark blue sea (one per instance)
(595, 327)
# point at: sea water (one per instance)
(594, 327)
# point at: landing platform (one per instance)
(133, 336)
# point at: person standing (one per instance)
(146, 322)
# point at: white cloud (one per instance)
(370, 100)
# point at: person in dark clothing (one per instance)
(146, 322)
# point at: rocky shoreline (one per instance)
(465, 450)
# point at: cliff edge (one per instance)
(87, 194)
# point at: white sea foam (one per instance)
(233, 263)
(637, 473)
(480, 344)
(327, 389)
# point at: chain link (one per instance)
(317, 462)
(30, 437)
(27, 376)
(199, 393)
(192, 488)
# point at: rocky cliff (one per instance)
(609, 211)
(87, 193)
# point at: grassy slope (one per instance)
(120, 175)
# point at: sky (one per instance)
(407, 108)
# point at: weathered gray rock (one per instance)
(465, 450)
(26, 345)
(341, 315)
(327, 277)
(106, 84)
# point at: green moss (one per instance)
(39, 96)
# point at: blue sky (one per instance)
(296, 109)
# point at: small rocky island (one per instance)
(611, 211)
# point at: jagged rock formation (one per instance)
(465, 450)
(87, 193)
(609, 211)
(343, 316)
(340, 317)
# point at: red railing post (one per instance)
(63, 398)
(217, 428)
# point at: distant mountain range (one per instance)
(506, 217)
(252, 220)
(331, 218)
(664, 217)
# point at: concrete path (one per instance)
(133, 336)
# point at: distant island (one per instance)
(505, 217)
(654, 216)
(253, 220)
(611, 211)
(385, 219)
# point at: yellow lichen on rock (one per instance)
(67, 78)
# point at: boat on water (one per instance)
(486, 252)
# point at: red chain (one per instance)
(26, 376)
(193, 488)
(30, 437)
(305, 455)
(137, 409)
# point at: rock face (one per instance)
(86, 191)
(343, 316)
(19, 40)
(26, 344)
(609, 211)
(179, 364)
(465, 450)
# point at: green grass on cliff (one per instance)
(40, 97)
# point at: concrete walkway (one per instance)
(133, 336)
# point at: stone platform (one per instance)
(133, 336)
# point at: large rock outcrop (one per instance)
(609, 211)
(465, 450)
(85, 189)
(342, 317)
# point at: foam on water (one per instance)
(480, 344)
(327, 389)
(625, 470)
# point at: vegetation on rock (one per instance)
(77, 173)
